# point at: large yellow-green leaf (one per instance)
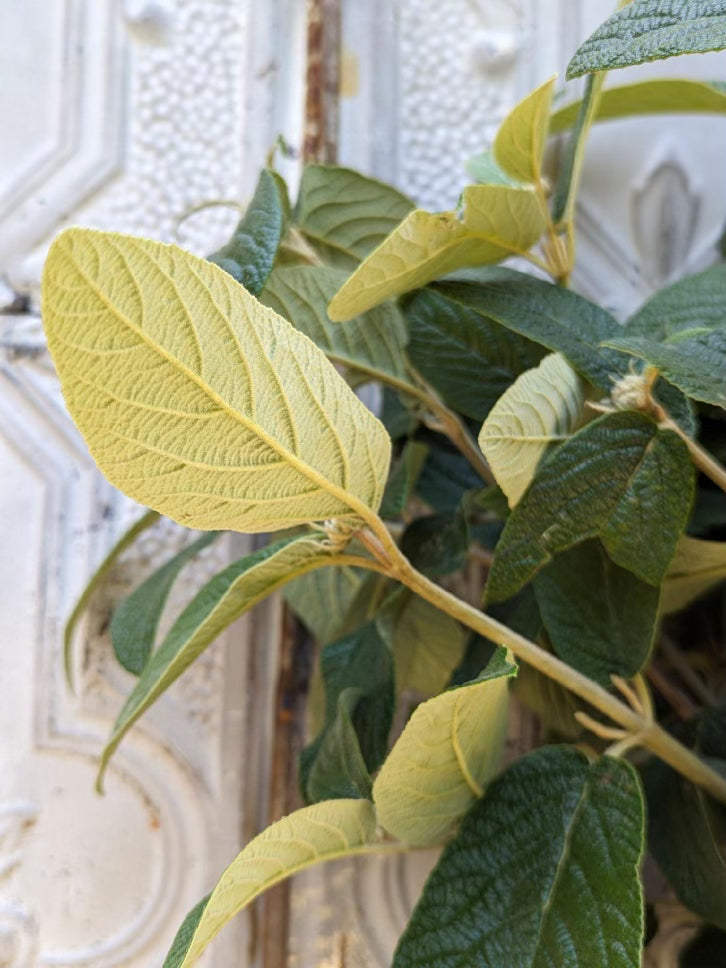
(197, 400)
(520, 140)
(321, 832)
(448, 751)
(496, 221)
(224, 598)
(542, 406)
(696, 567)
(663, 96)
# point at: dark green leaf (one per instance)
(543, 873)
(444, 479)
(691, 303)
(552, 316)
(332, 767)
(399, 420)
(564, 186)
(620, 478)
(250, 254)
(331, 602)
(183, 937)
(402, 479)
(135, 621)
(346, 211)
(478, 654)
(599, 617)
(469, 358)
(695, 365)
(677, 405)
(648, 30)
(437, 544)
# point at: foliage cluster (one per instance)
(535, 512)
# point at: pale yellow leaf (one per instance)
(324, 831)
(521, 138)
(198, 401)
(542, 406)
(496, 221)
(697, 567)
(448, 751)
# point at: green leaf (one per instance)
(696, 567)
(324, 831)
(444, 479)
(520, 141)
(447, 753)
(695, 365)
(621, 479)
(543, 872)
(220, 602)
(427, 644)
(469, 358)
(662, 96)
(551, 315)
(437, 544)
(483, 168)
(572, 156)
(553, 704)
(687, 837)
(184, 935)
(355, 734)
(348, 212)
(541, 407)
(600, 618)
(696, 302)
(135, 621)
(250, 254)
(331, 602)
(398, 415)
(402, 479)
(496, 221)
(196, 399)
(125, 541)
(647, 30)
(372, 344)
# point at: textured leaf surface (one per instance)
(373, 344)
(427, 644)
(448, 751)
(696, 365)
(694, 303)
(184, 935)
(696, 567)
(331, 601)
(542, 406)
(348, 212)
(647, 30)
(551, 315)
(437, 544)
(197, 400)
(620, 479)
(497, 221)
(520, 140)
(220, 602)
(445, 477)
(663, 96)
(135, 621)
(324, 831)
(600, 618)
(468, 357)
(250, 254)
(542, 874)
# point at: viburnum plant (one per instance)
(537, 509)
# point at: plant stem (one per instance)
(650, 734)
(700, 457)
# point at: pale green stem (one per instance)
(700, 457)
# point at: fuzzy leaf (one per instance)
(220, 602)
(647, 30)
(542, 406)
(663, 96)
(620, 478)
(196, 399)
(348, 212)
(497, 221)
(448, 751)
(372, 344)
(543, 872)
(696, 364)
(468, 357)
(694, 303)
(134, 623)
(521, 138)
(324, 831)
(550, 315)
(696, 567)
(610, 629)
(250, 254)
